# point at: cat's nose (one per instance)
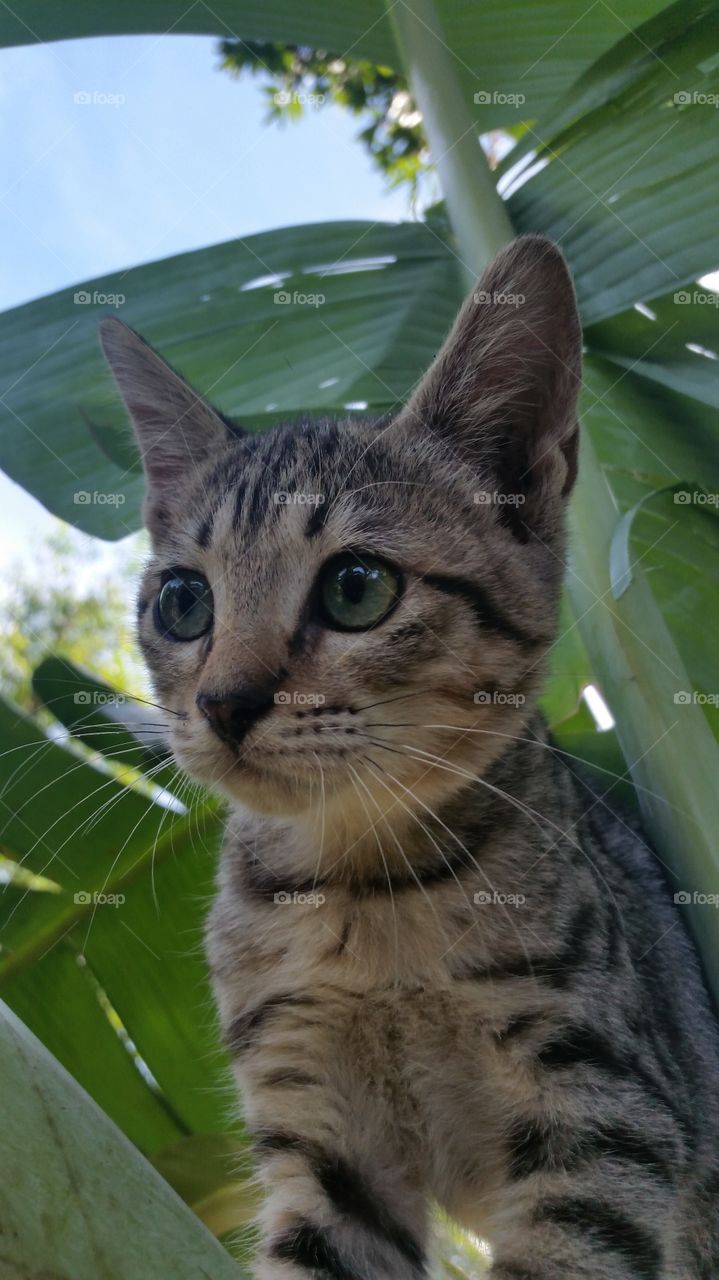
(233, 714)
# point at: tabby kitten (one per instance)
(446, 970)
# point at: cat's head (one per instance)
(356, 613)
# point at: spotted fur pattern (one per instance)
(446, 969)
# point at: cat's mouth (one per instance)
(291, 755)
(354, 757)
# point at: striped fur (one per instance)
(446, 969)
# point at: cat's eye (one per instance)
(184, 605)
(358, 591)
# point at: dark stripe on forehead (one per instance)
(240, 495)
(255, 502)
(203, 535)
(484, 608)
(317, 519)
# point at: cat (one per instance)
(446, 970)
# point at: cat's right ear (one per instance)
(502, 392)
(175, 428)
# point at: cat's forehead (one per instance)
(301, 480)
(267, 510)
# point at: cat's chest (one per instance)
(405, 969)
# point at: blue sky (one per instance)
(183, 161)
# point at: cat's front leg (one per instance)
(324, 1219)
(340, 1203)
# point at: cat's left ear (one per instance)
(502, 393)
(175, 428)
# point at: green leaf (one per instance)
(132, 890)
(56, 1000)
(77, 1200)
(620, 568)
(676, 345)
(569, 671)
(307, 319)
(619, 172)
(131, 730)
(502, 52)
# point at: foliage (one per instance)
(616, 166)
(122, 1219)
(49, 608)
(299, 77)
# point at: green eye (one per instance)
(184, 605)
(358, 591)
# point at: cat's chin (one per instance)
(258, 787)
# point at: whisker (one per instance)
(373, 827)
(82, 764)
(120, 694)
(384, 701)
(548, 746)
(472, 860)
(533, 814)
(122, 791)
(397, 800)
